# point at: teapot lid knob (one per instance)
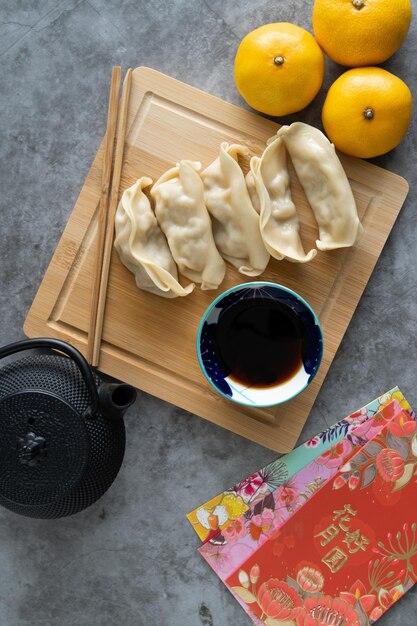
(31, 449)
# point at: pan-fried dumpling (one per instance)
(142, 247)
(184, 219)
(280, 227)
(325, 183)
(235, 221)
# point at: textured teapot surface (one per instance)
(55, 461)
(46, 372)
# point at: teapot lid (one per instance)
(44, 447)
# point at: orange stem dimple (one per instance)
(358, 4)
(278, 60)
(369, 114)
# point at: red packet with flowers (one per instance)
(227, 550)
(355, 552)
(219, 512)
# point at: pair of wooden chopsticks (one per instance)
(110, 183)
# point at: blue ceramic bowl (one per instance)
(259, 396)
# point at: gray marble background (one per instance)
(132, 558)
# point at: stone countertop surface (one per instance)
(132, 557)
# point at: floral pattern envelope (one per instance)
(354, 548)
(225, 508)
(242, 537)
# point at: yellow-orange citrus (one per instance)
(361, 32)
(367, 112)
(279, 68)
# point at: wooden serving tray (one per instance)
(149, 341)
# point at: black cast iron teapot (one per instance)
(62, 435)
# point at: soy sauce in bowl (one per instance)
(259, 342)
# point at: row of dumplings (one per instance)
(202, 219)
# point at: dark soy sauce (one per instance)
(259, 342)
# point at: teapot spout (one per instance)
(115, 399)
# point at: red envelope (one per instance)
(353, 551)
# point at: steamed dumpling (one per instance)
(280, 227)
(184, 219)
(251, 185)
(325, 184)
(235, 221)
(142, 247)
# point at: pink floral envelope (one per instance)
(228, 506)
(269, 511)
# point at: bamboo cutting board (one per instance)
(149, 341)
